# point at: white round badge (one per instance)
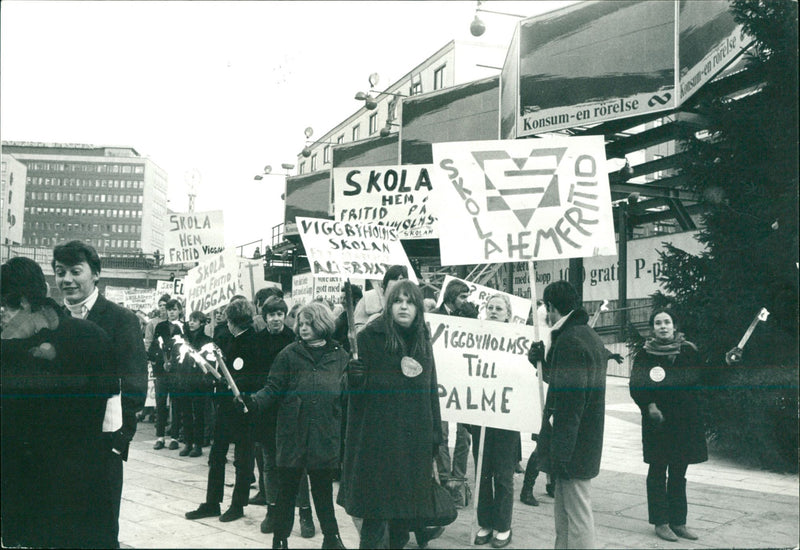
(238, 363)
(410, 367)
(657, 374)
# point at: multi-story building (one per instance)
(111, 197)
(12, 200)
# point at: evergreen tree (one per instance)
(746, 172)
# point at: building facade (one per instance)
(12, 200)
(111, 197)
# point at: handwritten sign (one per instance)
(479, 295)
(302, 288)
(141, 299)
(213, 282)
(395, 196)
(483, 372)
(519, 200)
(351, 249)
(306, 288)
(192, 236)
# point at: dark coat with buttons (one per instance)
(574, 414)
(680, 438)
(307, 394)
(393, 422)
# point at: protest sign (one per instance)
(351, 249)
(306, 288)
(213, 282)
(191, 236)
(483, 372)
(135, 299)
(303, 288)
(479, 295)
(521, 200)
(395, 196)
(251, 277)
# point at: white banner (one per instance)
(191, 236)
(483, 372)
(519, 200)
(306, 288)
(141, 299)
(302, 288)
(479, 295)
(213, 282)
(396, 196)
(349, 249)
(251, 277)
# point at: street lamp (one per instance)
(386, 130)
(306, 152)
(478, 27)
(268, 171)
(369, 100)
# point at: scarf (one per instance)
(81, 309)
(655, 346)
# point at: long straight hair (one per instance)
(419, 331)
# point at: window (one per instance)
(438, 78)
(416, 88)
(302, 169)
(313, 162)
(326, 154)
(340, 139)
(373, 123)
(356, 132)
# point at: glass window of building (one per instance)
(302, 168)
(373, 123)
(313, 162)
(356, 132)
(326, 154)
(340, 139)
(438, 78)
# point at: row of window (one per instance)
(101, 244)
(78, 182)
(70, 227)
(86, 167)
(109, 213)
(58, 196)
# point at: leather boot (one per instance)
(332, 542)
(307, 529)
(526, 496)
(268, 523)
(279, 543)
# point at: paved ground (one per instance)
(729, 506)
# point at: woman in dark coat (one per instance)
(664, 381)
(54, 394)
(393, 423)
(305, 384)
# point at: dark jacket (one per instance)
(272, 345)
(189, 377)
(129, 362)
(393, 422)
(159, 349)
(575, 402)
(307, 394)
(680, 438)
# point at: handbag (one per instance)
(443, 509)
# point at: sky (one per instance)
(223, 88)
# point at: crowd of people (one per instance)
(309, 397)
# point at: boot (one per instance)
(307, 529)
(550, 488)
(333, 542)
(279, 543)
(185, 451)
(232, 514)
(526, 496)
(268, 523)
(664, 532)
(683, 532)
(196, 451)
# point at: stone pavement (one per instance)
(729, 506)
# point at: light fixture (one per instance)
(478, 27)
(386, 130)
(306, 152)
(268, 171)
(368, 98)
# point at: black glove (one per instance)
(536, 353)
(616, 357)
(468, 310)
(356, 373)
(562, 470)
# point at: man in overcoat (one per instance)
(77, 271)
(571, 437)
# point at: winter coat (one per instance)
(307, 394)
(189, 377)
(680, 438)
(393, 423)
(574, 415)
(272, 345)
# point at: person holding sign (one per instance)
(159, 354)
(664, 381)
(305, 387)
(571, 436)
(393, 425)
(496, 495)
(371, 305)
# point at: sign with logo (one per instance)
(479, 295)
(213, 282)
(483, 373)
(395, 196)
(351, 249)
(519, 200)
(192, 236)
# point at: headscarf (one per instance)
(656, 346)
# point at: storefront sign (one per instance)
(349, 249)
(213, 282)
(192, 236)
(479, 295)
(395, 196)
(483, 372)
(517, 200)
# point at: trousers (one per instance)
(458, 468)
(230, 428)
(573, 514)
(666, 497)
(496, 495)
(321, 492)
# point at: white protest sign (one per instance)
(251, 277)
(396, 196)
(519, 200)
(479, 295)
(192, 236)
(483, 373)
(351, 249)
(303, 288)
(212, 283)
(141, 299)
